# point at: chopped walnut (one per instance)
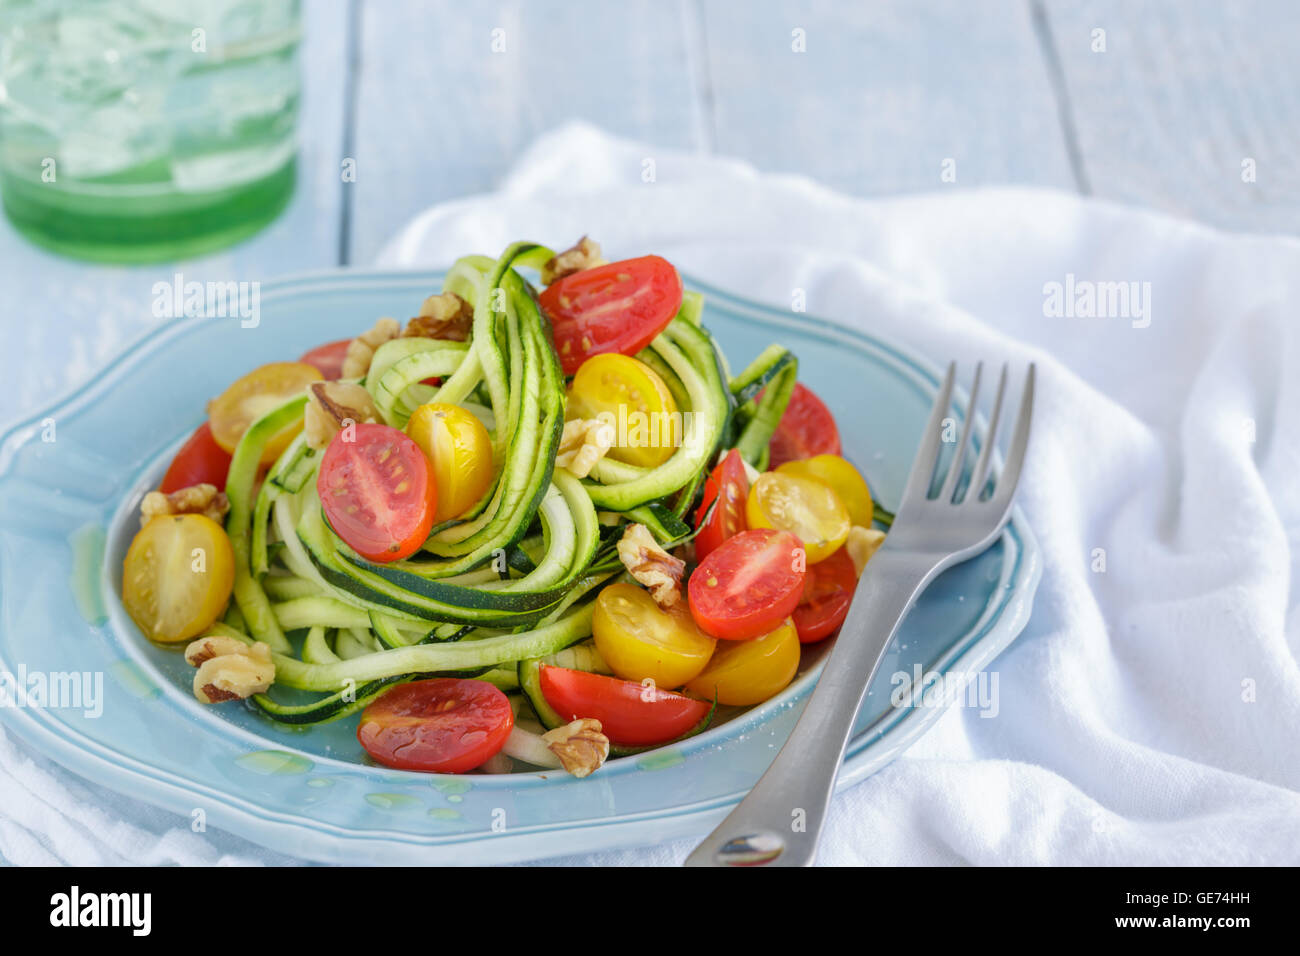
(585, 254)
(229, 669)
(651, 565)
(579, 745)
(362, 349)
(446, 316)
(862, 543)
(331, 406)
(206, 648)
(202, 499)
(583, 443)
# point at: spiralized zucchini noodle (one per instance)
(513, 578)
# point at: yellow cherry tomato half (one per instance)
(249, 398)
(177, 576)
(842, 478)
(459, 448)
(637, 402)
(742, 673)
(808, 509)
(640, 641)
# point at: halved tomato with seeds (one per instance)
(807, 428)
(728, 485)
(617, 307)
(808, 509)
(749, 585)
(177, 576)
(444, 725)
(827, 594)
(251, 396)
(630, 714)
(377, 491)
(743, 673)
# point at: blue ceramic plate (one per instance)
(70, 484)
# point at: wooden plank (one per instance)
(1184, 94)
(65, 318)
(885, 93)
(441, 115)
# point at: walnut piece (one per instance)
(579, 745)
(229, 669)
(862, 543)
(362, 349)
(651, 565)
(331, 406)
(202, 499)
(214, 645)
(583, 442)
(584, 254)
(445, 316)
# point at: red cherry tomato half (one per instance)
(446, 725)
(749, 585)
(377, 491)
(328, 358)
(617, 307)
(200, 461)
(630, 714)
(827, 593)
(807, 428)
(729, 480)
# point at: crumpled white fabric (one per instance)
(1149, 712)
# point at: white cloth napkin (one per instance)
(1149, 712)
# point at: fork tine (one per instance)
(918, 482)
(980, 473)
(1010, 476)
(959, 456)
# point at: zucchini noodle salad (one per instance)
(540, 525)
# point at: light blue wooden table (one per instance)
(1158, 103)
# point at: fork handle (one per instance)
(779, 822)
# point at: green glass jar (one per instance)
(146, 130)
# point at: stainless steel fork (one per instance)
(779, 822)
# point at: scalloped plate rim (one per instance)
(873, 748)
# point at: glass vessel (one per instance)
(145, 130)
